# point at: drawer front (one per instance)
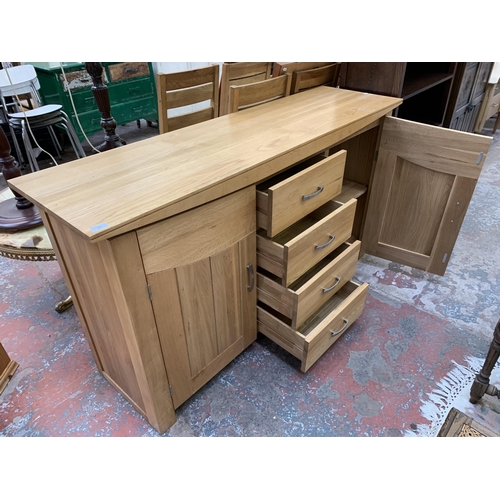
(313, 289)
(334, 325)
(299, 195)
(198, 233)
(128, 90)
(322, 330)
(126, 70)
(307, 249)
(326, 283)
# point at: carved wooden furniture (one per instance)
(157, 240)
(131, 86)
(457, 424)
(101, 96)
(253, 94)
(16, 212)
(240, 73)
(7, 368)
(187, 88)
(481, 384)
(309, 78)
(467, 95)
(489, 107)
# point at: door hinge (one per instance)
(445, 256)
(150, 293)
(171, 391)
(376, 155)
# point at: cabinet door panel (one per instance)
(422, 185)
(226, 293)
(205, 314)
(195, 291)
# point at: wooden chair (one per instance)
(240, 73)
(252, 94)
(187, 88)
(315, 77)
(280, 68)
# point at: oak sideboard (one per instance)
(179, 248)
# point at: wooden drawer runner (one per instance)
(321, 330)
(301, 246)
(306, 295)
(290, 196)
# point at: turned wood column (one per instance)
(101, 96)
(481, 384)
(18, 212)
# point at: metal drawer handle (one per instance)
(338, 278)
(132, 70)
(346, 322)
(306, 197)
(252, 277)
(320, 247)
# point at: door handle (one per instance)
(330, 241)
(252, 277)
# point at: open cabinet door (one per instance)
(422, 184)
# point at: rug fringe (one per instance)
(441, 400)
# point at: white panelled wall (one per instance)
(171, 67)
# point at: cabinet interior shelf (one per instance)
(415, 85)
(350, 190)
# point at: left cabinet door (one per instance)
(200, 268)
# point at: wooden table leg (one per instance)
(16, 213)
(101, 96)
(481, 384)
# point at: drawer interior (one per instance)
(305, 223)
(297, 284)
(324, 311)
(268, 183)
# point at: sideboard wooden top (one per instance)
(111, 193)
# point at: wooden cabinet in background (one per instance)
(467, 95)
(424, 86)
(490, 106)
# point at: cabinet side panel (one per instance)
(128, 280)
(97, 308)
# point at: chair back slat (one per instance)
(188, 119)
(193, 95)
(310, 78)
(187, 88)
(240, 73)
(253, 94)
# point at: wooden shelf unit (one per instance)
(424, 86)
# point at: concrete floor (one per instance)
(414, 329)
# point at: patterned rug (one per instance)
(453, 392)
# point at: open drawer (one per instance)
(306, 295)
(301, 246)
(291, 195)
(320, 331)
